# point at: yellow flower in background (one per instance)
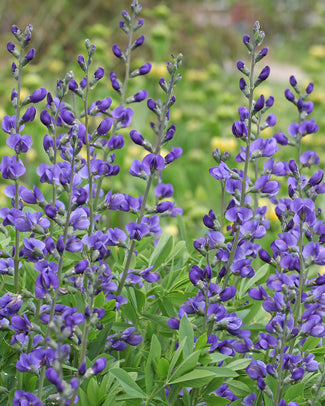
(171, 229)
(24, 93)
(31, 156)
(197, 75)
(317, 51)
(2, 113)
(224, 144)
(270, 213)
(321, 270)
(158, 70)
(55, 66)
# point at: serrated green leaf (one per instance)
(131, 388)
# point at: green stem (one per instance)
(279, 380)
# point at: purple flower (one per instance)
(144, 69)
(53, 377)
(140, 96)
(99, 73)
(138, 42)
(123, 115)
(264, 73)
(105, 126)
(239, 129)
(153, 162)
(23, 398)
(11, 168)
(29, 115)
(137, 231)
(38, 95)
(260, 102)
(136, 137)
(174, 154)
(98, 366)
(117, 51)
(256, 369)
(19, 143)
(10, 304)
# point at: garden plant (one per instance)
(99, 304)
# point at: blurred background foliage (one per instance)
(208, 33)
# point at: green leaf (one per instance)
(214, 400)
(195, 379)
(239, 364)
(92, 390)
(162, 367)
(162, 250)
(128, 384)
(187, 364)
(295, 393)
(239, 388)
(99, 300)
(220, 371)
(154, 353)
(311, 343)
(250, 283)
(176, 357)
(186, 331)
(160, 320)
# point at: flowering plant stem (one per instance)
(131, 249)
(60, 267)
(246, 165)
